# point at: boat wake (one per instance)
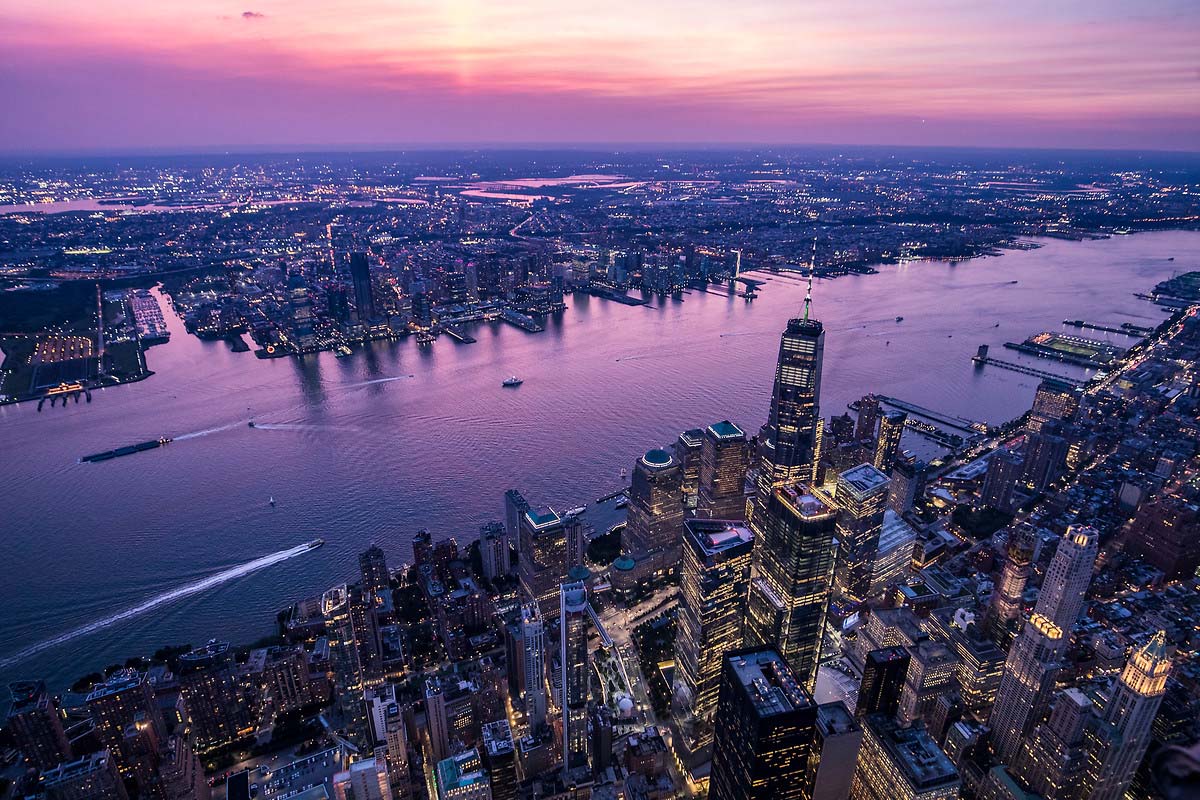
(299, 426)
(207, 431)
(375, 381)
(166, 597)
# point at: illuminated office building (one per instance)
(788, 449)
(1030, 672)
(793, 576)
(462, 777)
(687, 452)
(868, 417)
(1009, 591)
(500, 758)
(354, 646)
(573, 654)
(1054, 758)
(363, 780)
(861, 499)
(93, 777)
(901, 763)
(711, 617)
(1061, 596)
(1128, 717)
(723, 461)
(387, 722)
(765, 735)
(887, 445)
(932, 673)
(893, 559)
(550, 546)
(655, 519)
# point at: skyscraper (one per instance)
(376, 578)
(1053, 761)
(1045, 456)
(1053, 401)
(573, 654)
(363, 780)
(887, 445)
(901, 763)
(212, 692)
(687, 453)
(655, 518)
(1067, 578)
(1166, 533)
(500, 758)
(839, 737)
(1030, 671)
(793, 576)
(127, 722)
(354, 645)
(1128, 717)
(364, 295)
(1004, 469)
(931, 674)
(716, 576)
(723, 460)
(861, 499)
(494, 550)
(765, 732)
(387, 720)
(788, 442)
(550, 546)
(34, 723)
(1009, 591)
(868, 416)
(92, 777)
(882, 681)
(533, 636)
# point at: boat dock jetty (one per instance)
(522, 321)
(1125, 329)
(457, 334)
(981, 359)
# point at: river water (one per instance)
(395, 438)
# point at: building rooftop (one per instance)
(862, 480)
(464, 769)
(118, 682)
(726, 430)
(27, 696)
(834, 719)
(693, 437)
(542, 517)
(657, 458)
(801, 499)
(768, 681)
(914, 752)
(497, 738)
(716, 536)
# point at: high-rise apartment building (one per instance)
(212, 693)
(127, 721)
(1053, 401)
(533, 637)
(550, 546)
(372, 565)
(1030, 671)
(887, 444)
(355, 649)
(35, 725)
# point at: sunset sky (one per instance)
(141, 74)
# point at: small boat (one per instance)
(315, 543)
(1010, 283)
(342, 351)
(899, 319)
(997, 325)
(624, 501)
(250, 424)
(511, 382)
(271, 500)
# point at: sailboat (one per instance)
(271, 500)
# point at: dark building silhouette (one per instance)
(882, 682)
(364, 295)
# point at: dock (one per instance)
(521, 321)
(612, 495)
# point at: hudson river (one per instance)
(156, 548)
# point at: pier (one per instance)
(949, 420)
(982, 358)
(1125, 329)
(457, 335)
(612, 495)
(520, 320)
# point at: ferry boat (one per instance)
(342, 351)
(513, 381)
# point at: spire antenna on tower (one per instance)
(812, 265)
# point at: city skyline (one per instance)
(280, 75)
